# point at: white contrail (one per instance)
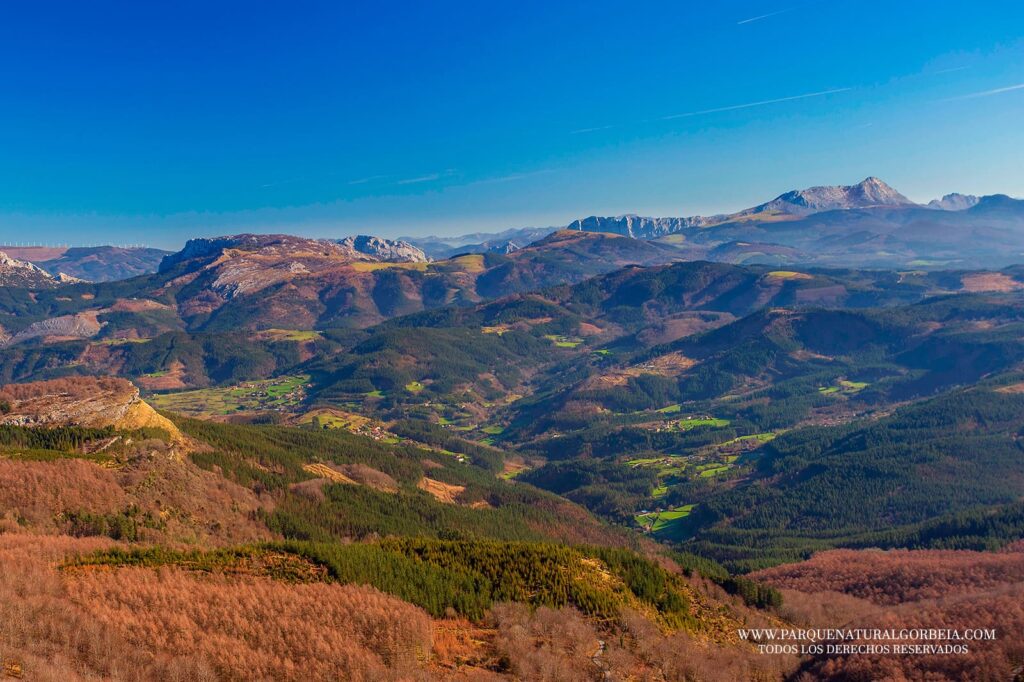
(589, 130)
(757, 104)
(988, 93)
(422, 178)
(372, 178)
(765, 16)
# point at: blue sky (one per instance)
(149, 122)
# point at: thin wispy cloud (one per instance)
(512, 177)
(761, 103)
(281, 182)
(987, 93)
(765, 16)
(589, 130)
(372, 178)
(422, 178)
(952, 69)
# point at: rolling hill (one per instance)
(243, 307)
(278, 281)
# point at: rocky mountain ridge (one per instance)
(19, 273)
(869, 193)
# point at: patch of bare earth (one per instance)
(513, 467)
(822, 295)
(442, 492)
(329, 472)
(668, 365)
(172, 378)
(64, 327)
(683, 325)
(990, 281)
(136, 305)
(354, 474)
(804, 355)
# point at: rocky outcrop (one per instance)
(18, 273)
(92, 402)
(954, 202)
(386, 250)
(504, 248)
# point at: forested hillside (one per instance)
(429, 555)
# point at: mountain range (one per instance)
(864, 225)
(868, 224)
(260, 282)
(597, 454)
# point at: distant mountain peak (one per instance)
(998, 204)
(869, 192)
(954, 202)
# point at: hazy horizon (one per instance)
(198, 227)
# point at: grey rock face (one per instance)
(868, 193)
(18, 273)
(388, 250)
(954, 202)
